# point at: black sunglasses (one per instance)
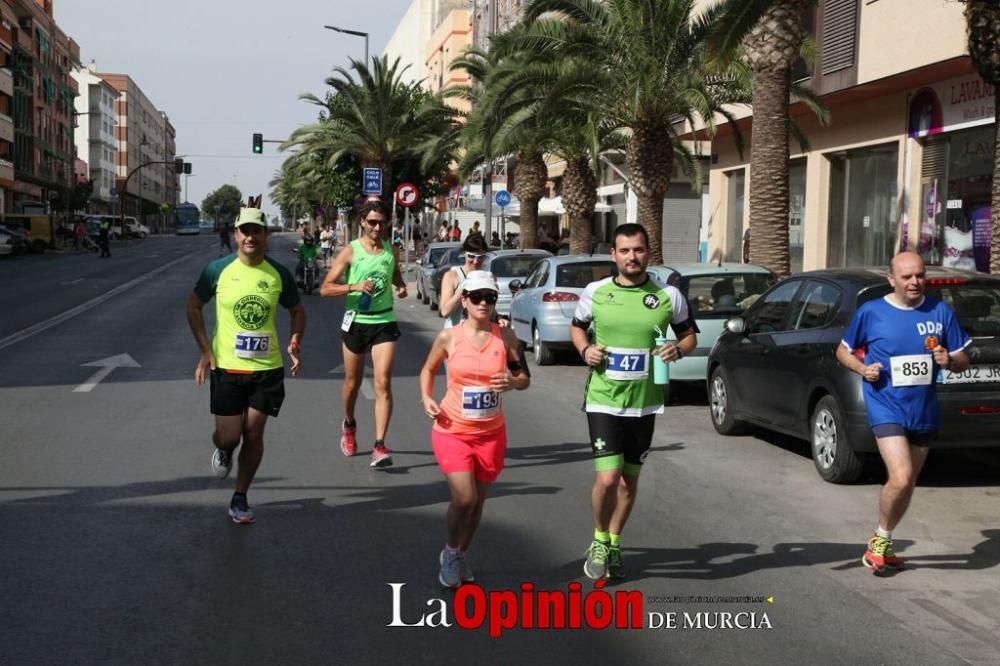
(474, 257)
(375, 223)
(478, 297)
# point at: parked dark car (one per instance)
(774, 367)
(453, 257)
(426, 266)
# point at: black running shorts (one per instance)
(620, 442)
(362, 337)
(914, 437)
(233, 392)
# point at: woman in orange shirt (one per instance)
(469, 436)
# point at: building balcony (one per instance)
(6, 128)
(6, 81)
(25, 41)
(6, 170)
(6, 38)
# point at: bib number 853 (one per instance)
(916, 368)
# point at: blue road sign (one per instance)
(502, 198)
(373, 181)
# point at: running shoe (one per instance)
(348, 445)
(880, 555)
(596, 564)
(240, 511)
(464, 570)
(449, 575)
(616, 569)
(381, 457)
(222, 462)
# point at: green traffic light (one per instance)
(258, 143)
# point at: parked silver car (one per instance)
(509, 265)
(545, 301)
(426, 266)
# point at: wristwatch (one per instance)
(680, 352)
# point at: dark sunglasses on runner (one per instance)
(474, 257)
(478, 297)
(375, 223)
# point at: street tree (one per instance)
(983, 32)
(770, 37)
(223, 204)
(648, 71)
(501, 125)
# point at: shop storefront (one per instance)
(953, 120)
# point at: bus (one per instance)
(186, 216)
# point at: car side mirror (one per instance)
(420, 262)
(736, 325)
(515, 286)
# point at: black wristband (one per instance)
(583, 354)
(680, 352)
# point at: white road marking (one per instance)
(66, 284)
(107, 366)
(367, 387)
(83, 307)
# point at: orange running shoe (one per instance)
(880, 555)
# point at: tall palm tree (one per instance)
(983, 31)
(372, 115)
(499, 125)
(770, 36)
(648, 69)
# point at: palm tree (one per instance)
(373, 116)
(500, 125)
(983, 31)
(769, 35)
(646, 70)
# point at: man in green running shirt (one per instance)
(243, 359)
(369, 325)
(622, 400)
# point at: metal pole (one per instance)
(366, 49)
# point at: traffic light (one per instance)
(187, 168)
(178, 165)
(258, 144)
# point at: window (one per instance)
(538, 275)
(579, 275)
(723, 296)
(735, 191)
(516, 267)
(977, 306)
(769, 315)
(862, 212)
(815, 307)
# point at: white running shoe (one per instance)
(222, 463)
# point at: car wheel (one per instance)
(142, 235)
(38, 246)
(720, 404)
(833, 456)
(542, 352)
(432, 303)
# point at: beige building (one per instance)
(450, 39)
(409, 41)
(906, 160)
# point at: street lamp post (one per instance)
(356, 33)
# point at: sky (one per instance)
(224, 69)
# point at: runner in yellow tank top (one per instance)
(469, 434)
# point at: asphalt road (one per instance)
(115, 546)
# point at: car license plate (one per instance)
(973, 375)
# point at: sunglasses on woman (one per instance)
(478, 297)
(474, 257)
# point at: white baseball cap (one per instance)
(477, 280)
(250, 216)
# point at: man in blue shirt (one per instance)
(905, 336)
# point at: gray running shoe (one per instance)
(222, 462)
(596, 564)
(239, 510)
(449, 575)
(615, 567)
(464, 570)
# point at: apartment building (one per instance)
(8, 19)
(143, 133)
(40, 60)
(95, 137)
(907, 159)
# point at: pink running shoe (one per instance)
(348, 445)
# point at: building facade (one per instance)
(143, 135)
(95, 137)
(906, 161)
(42, 104)
(409, 40)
